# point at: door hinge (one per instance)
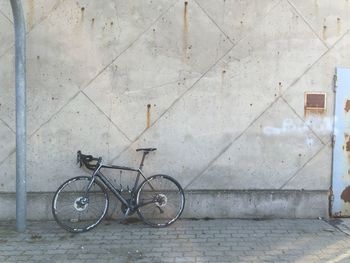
(335, 83)
(333, 140)
(331, 198)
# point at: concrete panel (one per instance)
(4, 5)
(170, 64)
(47, 89)
(35, 11)
(237, 18)
(329, 19)
(265, 156)
(6, 33)
(7, 141)
(72, 52)
(90, 34)
(5, 9)
(320, 79)
(52, 149)
(316, 174)
(231, 96)
(7, 90)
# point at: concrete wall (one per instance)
(217, 86)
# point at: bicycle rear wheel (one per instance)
(75, 211)
(160, 200)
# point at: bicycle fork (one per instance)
(85, 198)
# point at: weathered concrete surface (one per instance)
(329, 20)
(237, 18)
(217, 86)
(276, 137)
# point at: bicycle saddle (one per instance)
(146, 149)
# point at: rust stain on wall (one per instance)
(280, 87)
(185, 16)
(347, 106)
(185, 31)
(338, 26)
(324, 32)
(222, 80)
(31, 12)
(347, 144)
(345, 195)
(82, 13)
(148, 117)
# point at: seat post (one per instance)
(143, 159)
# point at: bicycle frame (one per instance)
(97, 173)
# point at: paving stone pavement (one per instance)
(193, 241)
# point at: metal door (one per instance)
(341, 150)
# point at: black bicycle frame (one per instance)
(110, 185)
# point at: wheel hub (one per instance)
(161, 200)
(81, 203)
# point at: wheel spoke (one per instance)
(168, 199)
(76, 218)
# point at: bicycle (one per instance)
(81, 202)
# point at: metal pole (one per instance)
(20, 44)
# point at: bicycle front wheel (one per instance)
(76, 209)
(160, 200)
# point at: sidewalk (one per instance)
(190, 241)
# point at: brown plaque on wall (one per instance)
(315, 101)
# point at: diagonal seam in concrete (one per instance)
(307, 23)
(316, 61)
(213, 21)
(302, 119)
(14, 149)
(228, 146)
(248, 33)
(231, 143)
(302, 167)
(8, 126)
(56, 113)
(76, 94)
(5, 16)
(42, 19)
(111, 62)
(175, 102)
(304, 73)
(109, 119)
(48, 120)
(7, 157)
(129, 46)
(194, 84)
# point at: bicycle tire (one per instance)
(68, 211)
(160, 200)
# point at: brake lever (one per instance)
(79, 159)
